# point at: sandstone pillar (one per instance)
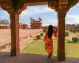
(61, 35)
(15, 50)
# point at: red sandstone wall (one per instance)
(22, 26)
(36, 25)
(4, 26)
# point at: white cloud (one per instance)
(51, 22)
(4, 12)
(77, 5)
(4, 15)
(72, 19)
(33, 10)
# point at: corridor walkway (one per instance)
(32, 58)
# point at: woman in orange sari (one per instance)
(48, 39)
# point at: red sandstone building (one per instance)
(4, 26)
(71, 27)
(23, 26)
(36, 24)
(7, 26)
(45, 27)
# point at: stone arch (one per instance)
(24, 5)
(6, 7)
(61, 16)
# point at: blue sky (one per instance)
(48, 15)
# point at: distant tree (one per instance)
(66, 34)
(41, 34)
(74, 31)
(4, 22)
(75, 39)
(38, 36)
(71, 30)
(44, 30)
(77, 24)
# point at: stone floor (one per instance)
(32, 58)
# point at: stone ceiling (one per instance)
(21, 4)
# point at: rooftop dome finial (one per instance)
(39, 19)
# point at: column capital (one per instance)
(61, 13)
(11, 12)
(53, 4)
(56, 6)
(21, 9)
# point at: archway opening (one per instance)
(49, 17)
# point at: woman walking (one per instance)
(48, 39)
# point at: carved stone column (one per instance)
(15, 50)
(61, 35)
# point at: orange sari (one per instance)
(49, 42)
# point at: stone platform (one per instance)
(32, 58)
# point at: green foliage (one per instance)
(4, 22)
(77, 30)
(69, 41)
(75, 39)
(38, 36)
(44, 30)
(41, 34)
(74, 31)
(66, 34)
(71, 30)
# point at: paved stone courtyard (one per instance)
(32, 58)
(24, 37)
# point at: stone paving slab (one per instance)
(32, 58)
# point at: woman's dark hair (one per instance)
(50, 31)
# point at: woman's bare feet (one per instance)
(49, 56)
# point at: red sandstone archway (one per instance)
(34, 26)
(52, 12)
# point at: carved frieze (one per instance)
(63, 3)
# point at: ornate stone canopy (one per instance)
(19, 5)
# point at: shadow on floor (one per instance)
(32, 58)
